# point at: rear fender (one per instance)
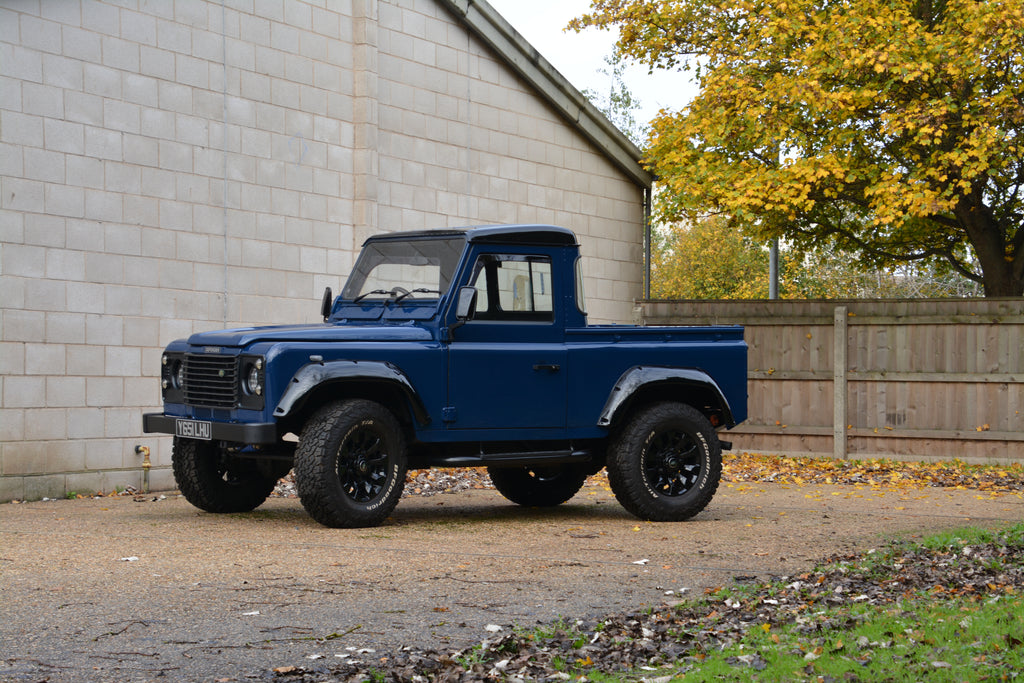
(313, 375)
(641, 379)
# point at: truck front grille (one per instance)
(211, 381)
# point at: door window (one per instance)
(513, 287)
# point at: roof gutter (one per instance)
(524, 59)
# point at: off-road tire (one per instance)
(538, 486)
(350, 464)
(665, 463)
(210, 480)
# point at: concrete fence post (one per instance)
(839, 383)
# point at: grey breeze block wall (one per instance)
(174, 166)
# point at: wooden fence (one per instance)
(911, 380)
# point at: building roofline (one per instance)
(487, 24)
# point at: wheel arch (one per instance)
(316, 384)
(644, 385)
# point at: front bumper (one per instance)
(239, 432)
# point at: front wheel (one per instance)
(538, 486)
(665, 463)
(212, 480)
(350, 464)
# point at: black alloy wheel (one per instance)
(672, 462)
(362, 463)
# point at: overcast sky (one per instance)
(578, 56)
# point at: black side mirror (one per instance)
(465, 307)
(326, 304)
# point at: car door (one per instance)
(507, 366)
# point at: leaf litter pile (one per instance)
(753, 467)
(834, 623)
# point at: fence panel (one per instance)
(931, 379)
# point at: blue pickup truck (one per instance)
(453, 348)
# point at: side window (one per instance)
(581, 299)
(513, 287)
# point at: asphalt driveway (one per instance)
(119, 589)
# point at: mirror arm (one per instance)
(451, 329)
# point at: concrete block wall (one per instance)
(169, 167)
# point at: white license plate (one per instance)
(193, 429)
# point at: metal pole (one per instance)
(773, 270)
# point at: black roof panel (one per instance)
(548, 235)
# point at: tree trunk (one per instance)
(1000, 277)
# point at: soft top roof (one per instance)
(547, 235)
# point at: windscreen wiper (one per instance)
(420, 290)
(366, 294)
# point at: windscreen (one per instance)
(417, 268)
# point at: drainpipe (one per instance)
(647, 243)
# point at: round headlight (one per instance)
(179, 375)
(252, 381)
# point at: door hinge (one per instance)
(449, 414)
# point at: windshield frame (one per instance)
(437, 254)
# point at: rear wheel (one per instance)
(350, 464)
(212, 480)
(538, 486)
(665, 463)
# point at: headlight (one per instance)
(172, 377)
(251, 379)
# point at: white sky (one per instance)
(578, 56)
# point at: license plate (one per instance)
(192, 429)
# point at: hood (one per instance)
(322, 332)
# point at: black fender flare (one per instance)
(314, 374)
(644, 376)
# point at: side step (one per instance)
(561, 457)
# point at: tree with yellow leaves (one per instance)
(707, 260)
(713, 260)
(891, 129)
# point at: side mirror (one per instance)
(326, 304)
(465, 307)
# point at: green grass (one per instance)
(953, 640)
(927, 634)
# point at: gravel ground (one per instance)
(149, 588)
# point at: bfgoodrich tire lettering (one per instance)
(350, 464)
(209, 478)
(665, 463)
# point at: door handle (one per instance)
(550, 367)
